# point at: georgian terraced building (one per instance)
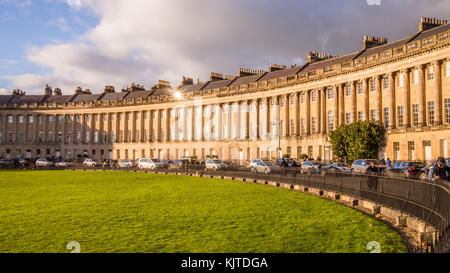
(404, 85)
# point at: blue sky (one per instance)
(93, 43)
(26, 24)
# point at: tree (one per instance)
(360, 139)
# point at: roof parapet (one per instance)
(249, 72)
(276, 67)
(372, 41)
(314, 56)
(427, 23)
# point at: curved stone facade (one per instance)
(404, 85)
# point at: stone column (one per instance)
(74, 128)
(353, 100)
(258, 135)
(336, 105)
(151, 135)
(366, 98)
(297, 113)
(247, 119)
(308, 112)
(318, 112)
(379, 99)
(193, 123)
(45, 131)
(391, 76)
(268, 120)
(64, 129)
(406, 98)
(287, 126)
(109, 128)
(92, 133)
(437, 92)
(341, 104)
(323, 105)
(25, 128)
(421, 94)
(15, 127)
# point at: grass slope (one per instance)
(41, 211)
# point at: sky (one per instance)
(93, 43)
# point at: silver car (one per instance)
(126, 164)
(44, 163)
(266, 167)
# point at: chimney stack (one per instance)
(215, 77)
(427, 23)
(372, 41)
(187, 81)
(48, 90)
(249, 72)
(109, 89)
(276, 67)
(57, 92)
(314, 56)
(18, 92)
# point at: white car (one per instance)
(266, 167)
(214, 164)
(148, 163)
(89, 163)
(126, 164)
(44, 163)
(62, 164)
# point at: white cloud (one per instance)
(3, 91)
(60, 23)
(74, 3)
(143, 41)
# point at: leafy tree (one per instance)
(360, 139)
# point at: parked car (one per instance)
(23, 162)
(337, 168)
(423, 175)
(64, 164)
(266, 167)
(255, 161)
(214, 164)
(6, 163)
(361, 166)
(148, 163)
(311, 166)
(289, 161)
(44, 163)
(405, 169)
(89, 163)
(125, 164)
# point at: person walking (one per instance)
(372, 179)
(440, 171)
(388, 163)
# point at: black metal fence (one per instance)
(428, 201)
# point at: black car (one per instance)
(405, 169)
(424, 172)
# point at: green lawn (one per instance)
(41, 211)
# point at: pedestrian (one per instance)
(372, 179)
(382, 161)
(388, 163)
(440, 171)
(318, 158)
